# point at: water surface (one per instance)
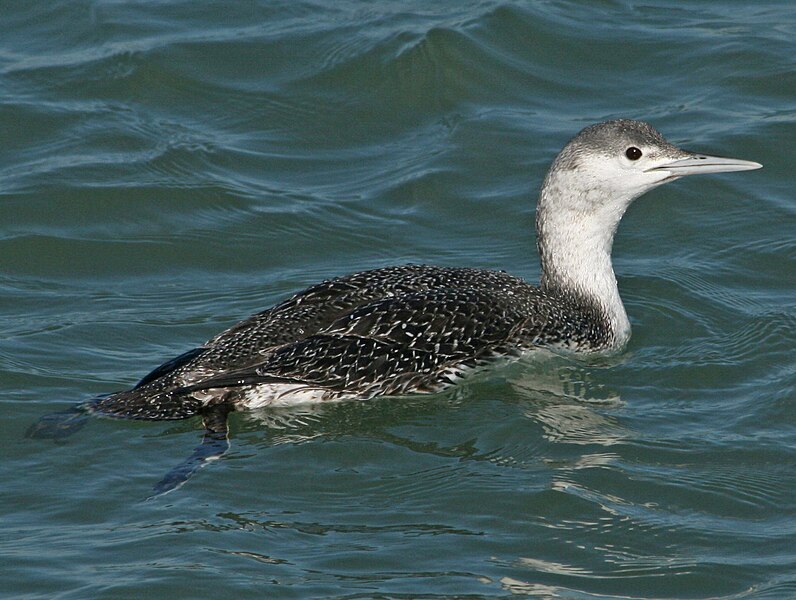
(167, 168)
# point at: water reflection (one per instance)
(538, 590)
(567, 399)
(373, 419)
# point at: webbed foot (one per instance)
(58, 425)
(215, 444)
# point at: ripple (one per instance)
(258, 523)
(169, 167)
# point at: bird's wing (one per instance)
(392, 345)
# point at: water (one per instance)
(167, 168)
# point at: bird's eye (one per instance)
(633, 153)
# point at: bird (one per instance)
(412, 329)
(420, 328)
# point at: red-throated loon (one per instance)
(417, 328)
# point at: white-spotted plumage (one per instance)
(418, 328)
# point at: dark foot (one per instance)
(215, 444)
(58, 425)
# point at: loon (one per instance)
(418, 328)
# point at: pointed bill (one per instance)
(704, 163)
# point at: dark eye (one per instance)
(633, 153)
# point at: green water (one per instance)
(168, 168)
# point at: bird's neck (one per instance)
(575, 237)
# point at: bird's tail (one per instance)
(139, 403)
(147, 404)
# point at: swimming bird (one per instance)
(418, 328)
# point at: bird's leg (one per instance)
(215, 444)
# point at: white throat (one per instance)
(575, 228)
